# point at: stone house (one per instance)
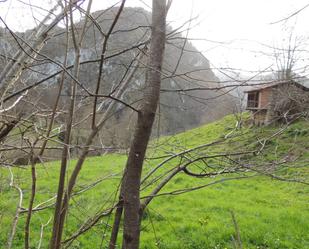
(279, 101)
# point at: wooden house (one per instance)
(277, 101)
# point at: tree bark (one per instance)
(33, 192)
(116, 225)
(146, 116)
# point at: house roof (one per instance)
(263, 86)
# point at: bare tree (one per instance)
(146, 116)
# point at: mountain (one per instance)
(184, 68)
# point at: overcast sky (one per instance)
(230, 33)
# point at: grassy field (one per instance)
(269, 213)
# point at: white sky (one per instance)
(237, 27)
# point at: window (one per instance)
(253, 100)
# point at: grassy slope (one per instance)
(270, 213)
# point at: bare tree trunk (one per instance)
(116, 225)
(33, 192)
(62, 203)
(146, 116)
(57, 229)
(119, 209)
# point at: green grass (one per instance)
(270, 213)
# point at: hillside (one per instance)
(269, 203)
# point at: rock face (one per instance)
(184, 68)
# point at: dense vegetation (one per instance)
(269, 213)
